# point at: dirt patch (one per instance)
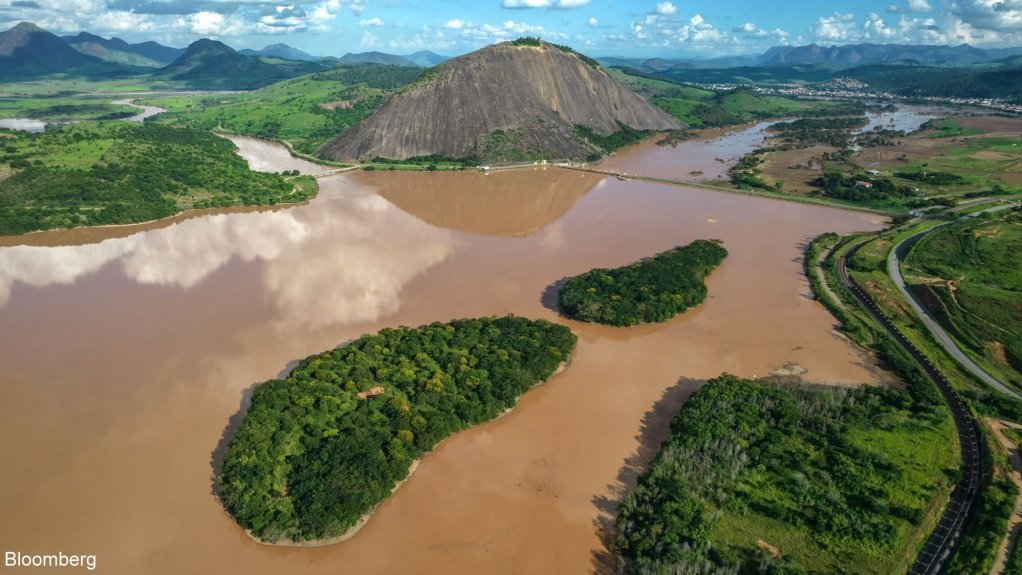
(796, 168)
(773, 551)
(994, 124)
(341, 104)
(997, 351)
(1015, 522)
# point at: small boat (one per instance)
(622, 177)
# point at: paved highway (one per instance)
(894, 270)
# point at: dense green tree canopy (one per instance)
(121, 173)
(313, 456)
(652, 290)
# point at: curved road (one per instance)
(947, 534)
(894, 270)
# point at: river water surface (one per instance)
(129, 354)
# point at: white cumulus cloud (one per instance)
(666, 8)
(543, 3)
(919, 6)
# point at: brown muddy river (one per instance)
(124, 360)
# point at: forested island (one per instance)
(119, 173)
(789, 479)
(651, 290)
(319, 450)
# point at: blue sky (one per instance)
(669, 28)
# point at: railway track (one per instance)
(948, 532)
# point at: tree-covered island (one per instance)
(651, 290)
(319, 450)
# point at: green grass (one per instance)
(986, 528)
(68, 86)
(950, 128)
(978, 174)
(983, 310)
(838, 480)
(63, 109)
(306, 111)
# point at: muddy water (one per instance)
(147, 111)
(266, 157)
(694, 160)
(905, 119)
(710, 159)
(125, 359)
(23, 124)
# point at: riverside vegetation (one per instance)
(783, 478)
(652, 290)
(117, 173)
(986, 527)
(313, 456)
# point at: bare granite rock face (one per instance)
(498, 98)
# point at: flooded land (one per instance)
(130, 355)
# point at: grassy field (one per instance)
(64, 109)
(55, 86)
(968, 275)
(305, 111)
(949, 161)
(789, 478)
(117, 173)
(986, 528)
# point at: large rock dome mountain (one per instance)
(511, 98)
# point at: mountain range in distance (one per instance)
(28, 50)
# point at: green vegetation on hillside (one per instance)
(610, 143)
(758, 477)
(305, 111)
(64, 109)
(312, 456)
(968, 275)
(702, 108)
(651, 290)
(120, 173)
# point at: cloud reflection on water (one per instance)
(332, 262)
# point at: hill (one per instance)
(375, 58)
(862, 54)
(210, 64)
(282, 51)
(306, 111)
(27, 49)
(523, 98)
(117, 51)
(426, 59)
